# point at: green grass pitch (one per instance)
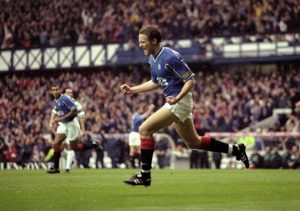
(233, 190)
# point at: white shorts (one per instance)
(70, 129)
(134, 139)
(182, 109)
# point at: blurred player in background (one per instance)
(79, 107)
(168, 70)
(134, 137)
(81, 119)
(65, 114)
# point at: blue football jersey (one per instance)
(63, 105)
(136, 121)
(170, 71)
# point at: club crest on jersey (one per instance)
(162, 81)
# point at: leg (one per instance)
(74, 145)
(58, 140)
(187, 132)
(137, 155)
(193, 159)
(85, 145)
(70, 158)
(134, 142)
(160, 119)
(132, 156)
(73, 134)
(99, 158)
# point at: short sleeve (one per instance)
(54, 112)
(69, 102)
(80, 110)
(178, 67)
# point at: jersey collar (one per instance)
(160, 52)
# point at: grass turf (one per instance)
(233, 190)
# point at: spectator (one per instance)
(194, 159)
(256, 159)
(276, 160)
(217, 158)
(203, 159)
(100, 154)
(287, 159)
(161, 151)
(83, 157)
(70, 22)
(292, 124)
(3, 148)
(295, 164)
(113, 148)
(25, 108)
(268, 158)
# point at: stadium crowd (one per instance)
(37, 23)
(224, 101)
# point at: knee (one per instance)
(56, 148)
(56, 144)
(73, 146)
(192, 145)
(144, 131)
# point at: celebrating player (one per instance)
(169, 71)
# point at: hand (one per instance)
(151, 107)
(56, 120)
(171, 100)
(82, 132)
(52, 125)
(126, 89)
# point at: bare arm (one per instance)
(82, 124)
(185, 89)
(81, 116)
(51, 122)
(145, 87)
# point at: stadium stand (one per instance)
(225, 101)
(228, 98)
(42, 23)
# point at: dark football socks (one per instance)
(147, 149)
(210, 144)
(85, 146)
(56, 157)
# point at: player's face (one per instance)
(69, 92)
(140, 110)
(145, 44)
(56, 92)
